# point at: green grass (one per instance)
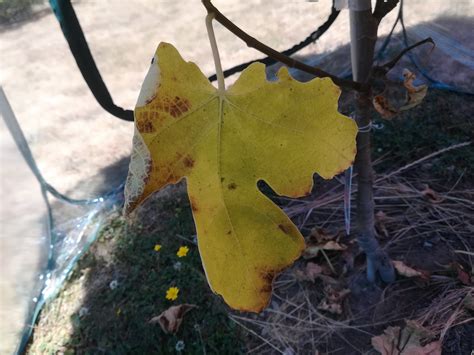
(441, 120)
(117, 320)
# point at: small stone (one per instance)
(179, 346)
(427, 244)
(113, 284)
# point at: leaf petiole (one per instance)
(215, 53)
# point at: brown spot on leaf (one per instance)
(145, 123)
(171, 179)
(147, 101)
(268, 276)
(188, 162)
(178, 106)
(157, 116)
(229, 232)
(284, 229)
(232, 186)
(267, 288)
(194, 207)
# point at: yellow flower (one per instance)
(183, 251)
(172, 293)
(157, 247)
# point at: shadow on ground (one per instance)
(21, 13)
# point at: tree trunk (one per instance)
(363, 37)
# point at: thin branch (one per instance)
(313, 37)
(383, 7)
(429, 156)
(292, 63)
(389, 65)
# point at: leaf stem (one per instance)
(215, 53)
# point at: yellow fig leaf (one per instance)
(223, 143)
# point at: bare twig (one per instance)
(429, 156)
(389, 65)
(292, 63)
(290, 51)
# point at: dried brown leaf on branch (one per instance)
(398, 97)
(406, 341)
(171, 319)
(416, 94)
(383, 106)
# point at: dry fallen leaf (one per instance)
(380, 223)
(468, 302)
(462, 274)
(318, 240)
(222, 142)
(407, 341)
(313, 270)
(332, 302)
(334, 308)
(387, 343)
(431, 195)
(319, 235)
(407, 271)
(171, 319)
(313, 250)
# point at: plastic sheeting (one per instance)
(65, 228)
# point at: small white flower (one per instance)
(179, 346)
(113, 284)
(177, 266)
